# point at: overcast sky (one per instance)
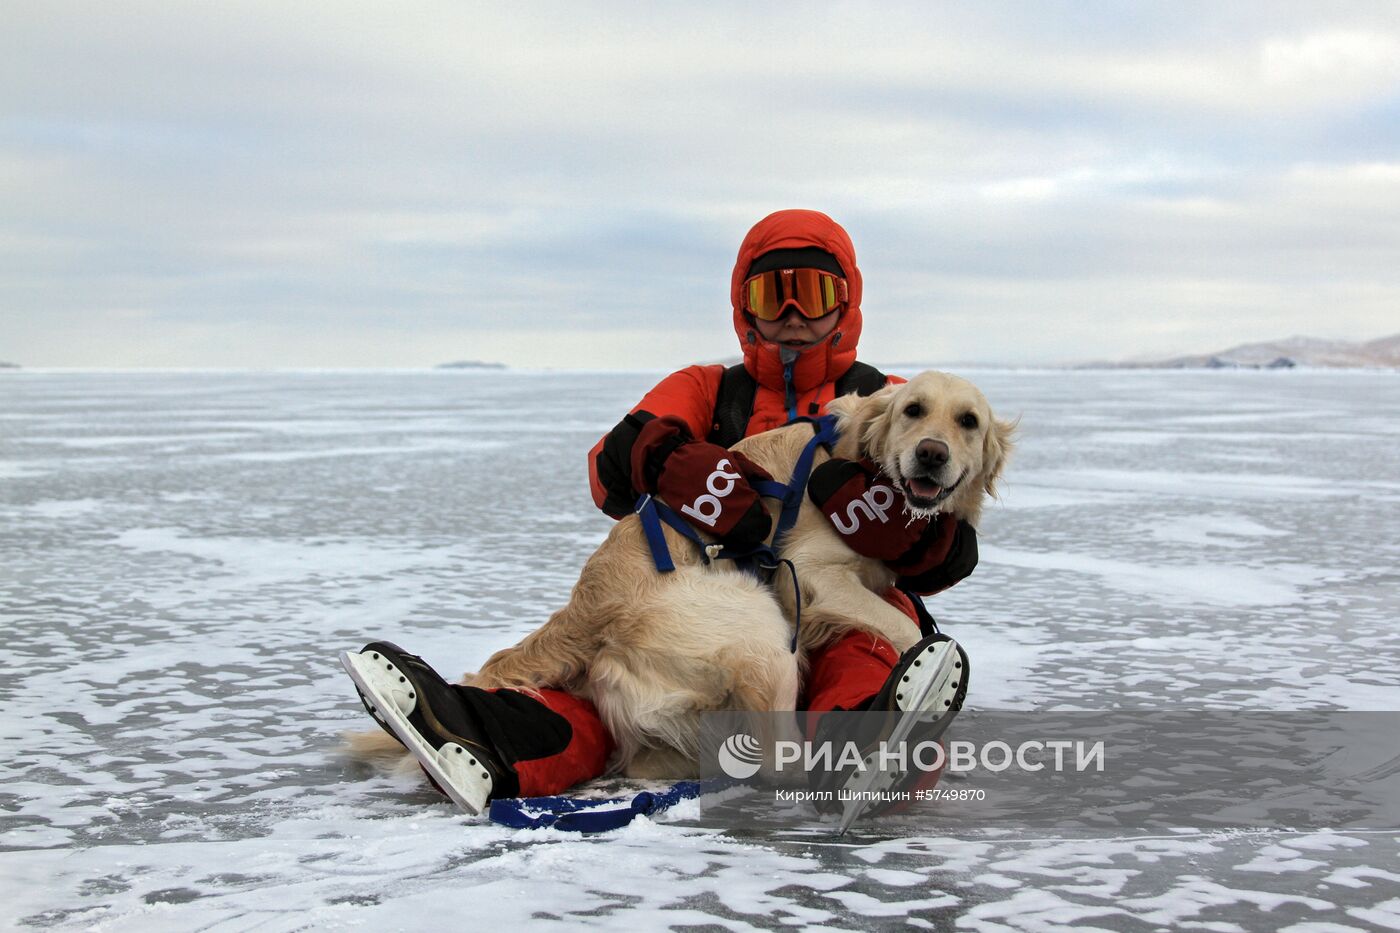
(337, 184)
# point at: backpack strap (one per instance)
(861, 379)
(733, 406)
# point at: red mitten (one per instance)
(655, 443)
(865, 508)
(945, 555)
(703, 482)
(929, 551)
(749, 468)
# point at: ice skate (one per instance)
(426, 714)
(921, 696)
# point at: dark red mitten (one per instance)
(865, 508)
(930, 550)
(947, 554)
(655, 443)
(751, 470)
(703, 482)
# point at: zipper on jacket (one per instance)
(791, 392)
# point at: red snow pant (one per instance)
(841, 675)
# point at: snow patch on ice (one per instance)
(1209, 584)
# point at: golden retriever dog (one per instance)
(655, 650)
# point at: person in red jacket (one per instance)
(795, 294)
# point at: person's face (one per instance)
(796, 332)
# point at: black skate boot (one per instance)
(434, 721)
(920, 698)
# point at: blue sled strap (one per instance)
(580, 815)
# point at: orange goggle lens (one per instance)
(812, 292)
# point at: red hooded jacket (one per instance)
(690, 393)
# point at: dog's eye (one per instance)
(968, 420)
(913, 410)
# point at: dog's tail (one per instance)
(378, 748)
(554, 655)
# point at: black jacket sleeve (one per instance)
(614, 464)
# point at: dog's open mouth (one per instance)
(924, 493)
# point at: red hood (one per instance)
(828, 360)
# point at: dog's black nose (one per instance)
(931, 454)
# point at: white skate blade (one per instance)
(931, 682)
(454, 768)
(930, 685)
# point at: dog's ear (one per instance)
(861, 416)
(996, 448)
(875, 426)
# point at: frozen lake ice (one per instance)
(182, 554)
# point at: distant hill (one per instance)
(1383, 353)
(4, 365)
(470, 364)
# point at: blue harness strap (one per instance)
(824, 435)
(759, 561)
(789, 494)
(579, 815)
(653, 513)
(648, 510)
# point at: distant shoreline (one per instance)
(470, 364)
(657, 372)
(1297, 352)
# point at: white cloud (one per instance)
(1332, 62)
(370, 183)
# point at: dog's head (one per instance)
(935, 436)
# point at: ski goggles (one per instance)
(812, 292)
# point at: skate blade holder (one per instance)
(453, 768)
